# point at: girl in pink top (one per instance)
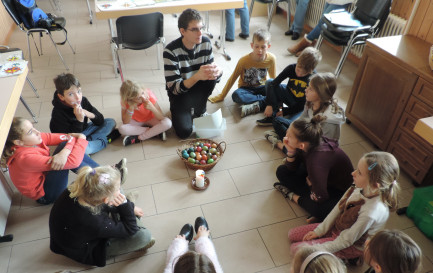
(141, 115)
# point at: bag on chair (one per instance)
(34, 17)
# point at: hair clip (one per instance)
(371, 167)
(93, 172)
(104, 179)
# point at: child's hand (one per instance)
(138, 211)
(117, 200)
(279, 113)
(58, 160)
(79, 113)
(310, 236)
(290, 150)
(202, 231)
(78, 135)
(268, 111)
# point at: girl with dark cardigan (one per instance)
(92, 220)
(316, 172)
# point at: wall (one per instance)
(6, 26)
(422, 24)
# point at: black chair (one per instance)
(10, 7)
(346, 29)
(137, 32)
(272, 5)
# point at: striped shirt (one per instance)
(181, 63)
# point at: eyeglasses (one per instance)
(196, 29)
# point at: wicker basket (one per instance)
(221, 147)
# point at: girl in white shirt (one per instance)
(363, 210)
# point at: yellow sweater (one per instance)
(253, 74)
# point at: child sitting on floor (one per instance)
(362, 211)
(92, 220)
(291, 94)
(252, 70)
(141, 115)
(392, 251)
(311, 259)
(73, 113)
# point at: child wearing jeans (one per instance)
(73, 113)
(291, 94)
(35, 173)
(93, 221)
(252, 70)
(362, 212)
(392, 251)
(141, 115)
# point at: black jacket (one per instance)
(82, 236)
(63, 119)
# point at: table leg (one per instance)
(207, 32)
(222, 39)
(90, 12)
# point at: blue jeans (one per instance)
(281, 124)
(56, 181)
(248, 95)
(301, 10)
(230, 21)
(315, 33)
(97, 135)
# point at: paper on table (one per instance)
(139, 3)
(211, 121)
(12, 68)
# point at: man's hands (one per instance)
(208, 72)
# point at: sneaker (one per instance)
(149, 245)
(283, 189)
(249, 109)
(204, 114)
(113, 135)
(128, 140)
(244, 36)
(121, 166)
(163, 136)
(265, 121)
(272, 137)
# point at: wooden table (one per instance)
(11, 88)
(174, 7)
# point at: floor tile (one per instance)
(179, 194)
(246, 212)
(235, 250)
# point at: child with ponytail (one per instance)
(362, 212)
(92, 220)
(316, 172)
(312, 259)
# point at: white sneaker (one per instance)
(163, 136)
(249, 109)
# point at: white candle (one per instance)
(199, 178)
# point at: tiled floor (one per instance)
(249, 220)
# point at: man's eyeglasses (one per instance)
(196, 29)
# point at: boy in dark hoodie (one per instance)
(73, 113)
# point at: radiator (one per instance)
(394, 25)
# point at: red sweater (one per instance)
(27, 166)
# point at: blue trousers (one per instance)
(230, 21)
(281, 124)
(248, 95)
(315, 32)
(301, 10)
(56, 181)
(97, 135)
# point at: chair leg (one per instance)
(319, 42)
(289, 13)
(73, 51)
(30, 53)
(342, 60)
(114, 56)
(40, 42)
(58, 52)
(28, 109)
(119, 65)
(271, 11)
(251, 9)
(32, 86)
(90, 12)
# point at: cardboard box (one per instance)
(424, 128)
